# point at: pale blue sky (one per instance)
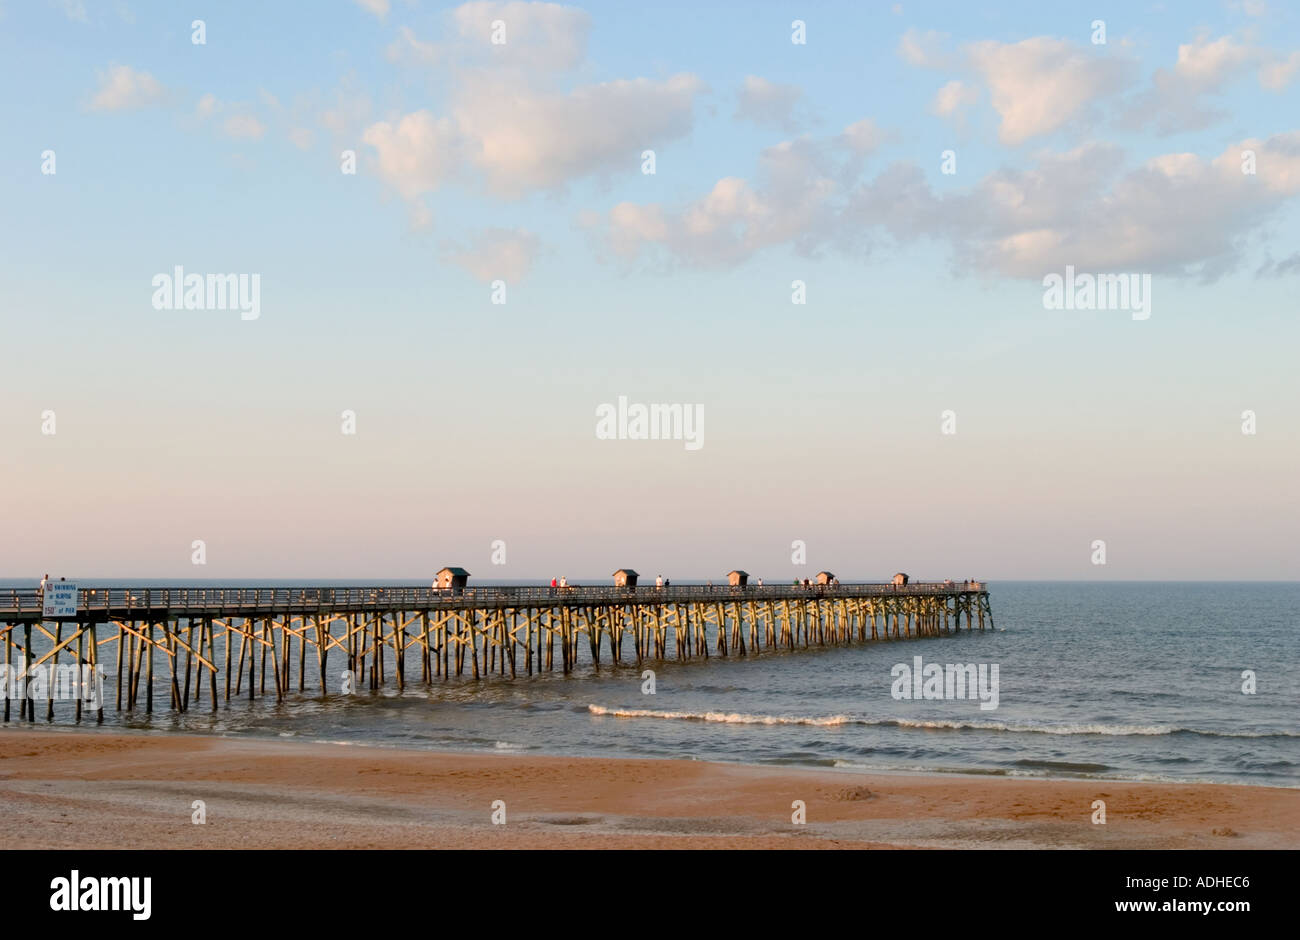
(476, 421)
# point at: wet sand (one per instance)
(113, 790)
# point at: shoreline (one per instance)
(135, 789)
(293, 740)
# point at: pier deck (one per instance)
(478, 631)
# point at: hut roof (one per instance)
(738, 571)
(827, 573)
(458, 572)
(627, 571)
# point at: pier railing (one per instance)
(185, 600)
(244, 637)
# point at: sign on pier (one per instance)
(60, 600)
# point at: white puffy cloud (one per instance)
(508, 121)
(952, 100)
(1178, 213)
(497, 253)
(1176, 99)
(862, 137)
(768, 103)
(417, 154)
(1278, 74)
(122, 88)
(801, 185)
(523, 139)
(1039, 85)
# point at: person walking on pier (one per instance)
(659, 582)
(564, 581)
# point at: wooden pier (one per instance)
(214, 643)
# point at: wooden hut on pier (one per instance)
(625, 578)
(825, 577)
(454, 578)
(900, 579)
(738, 578)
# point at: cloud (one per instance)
(1177, 214)
(523, 140)
(1253, 8)
(767, 103)
(537, 35)
(417, 154)
(794, 202)
(520, 36)
(244, 125)
(379, 8)
(1037, 86)
(206, 107)
(520, 139)
(497, 253)
(953, 98)
(862, 137)
(122, 88)
(74, 10)
(349, 112)
(1287, 267)
(1277, 74)
(1040, 85)
(510, 121)
(240, 123)
(926, 49)
(407, 48)
(301, 137)
(1175, 100)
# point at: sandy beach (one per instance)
(112, 790)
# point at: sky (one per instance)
(461, 256)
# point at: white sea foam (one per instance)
(827, 721)
(730, 718)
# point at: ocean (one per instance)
(1109, 680)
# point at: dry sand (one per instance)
(113, 790)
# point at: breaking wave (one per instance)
(830, 721)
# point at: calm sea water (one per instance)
(1139, 681)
